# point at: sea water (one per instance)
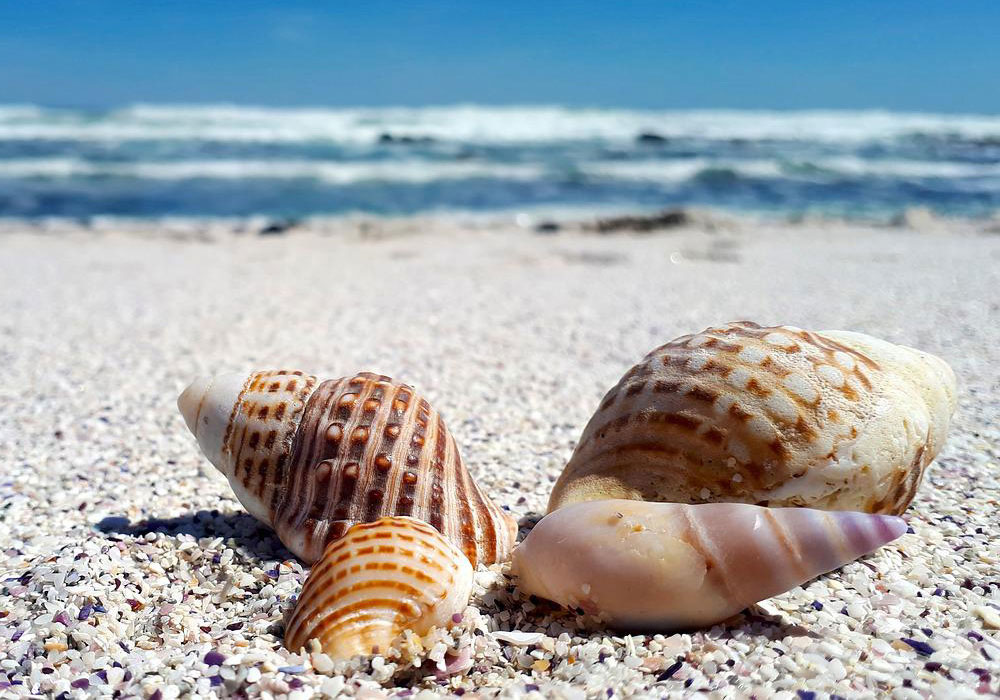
(221, 160)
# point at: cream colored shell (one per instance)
(662, 566)
(377, 581)
(773, 416)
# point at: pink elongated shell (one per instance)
(663, 566)
(374, 583)
(312, 458)
(774, 416)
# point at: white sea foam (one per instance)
(666, 171)
(15, 112)
(475, 124)
(854, 166)
(411, 171)
(425, 171)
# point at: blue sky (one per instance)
(921, 56)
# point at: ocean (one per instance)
(232, 161)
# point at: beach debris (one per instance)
(989, 616)
(639, 565)
(312, 458)
(377, 581)
(670, 218)
(773, 416)
(277, 227)
(518, 638)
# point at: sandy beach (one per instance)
(130, 570)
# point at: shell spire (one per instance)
(312, 458)
(774, 416)
(378, 580)
(660, 566)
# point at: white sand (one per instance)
(515, 337)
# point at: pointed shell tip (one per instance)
(206, 406)
(191, 400)
(895, 526)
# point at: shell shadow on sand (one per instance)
(250, 536)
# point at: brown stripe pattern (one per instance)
(368, 447)
(260, 433)
(763, 415)
(376, 581)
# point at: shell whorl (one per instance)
(660, 566)
(312, 458)
(259, 437)
(380, 579)
(775, 416)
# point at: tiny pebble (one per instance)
(922, 648)
(670, 671)
(214, 658)
(990, 616)
(520, 639)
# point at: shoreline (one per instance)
(543, 222)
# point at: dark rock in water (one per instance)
(276, 228)
(387, 138)
(669, 218)
(650, 138)
(546, 227)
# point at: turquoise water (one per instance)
(217, 160)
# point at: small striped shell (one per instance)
(661, 566)
(312, 458)
(377, 581)
(772, 416)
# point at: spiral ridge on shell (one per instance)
(767, 415)
(378, 580)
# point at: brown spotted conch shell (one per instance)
(311, 458)
(638, 565)
(377, 581)
(771, 416)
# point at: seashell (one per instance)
(312, 458)
(771, 416)
(377, 581)
(659, 566)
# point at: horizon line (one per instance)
(486, 105)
